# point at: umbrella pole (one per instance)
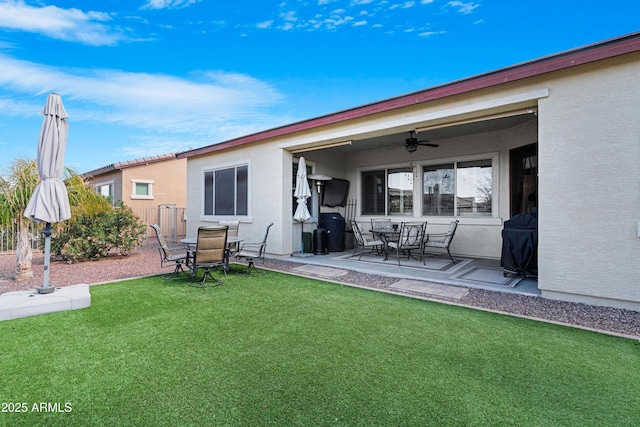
(46, 289)
(301, 237)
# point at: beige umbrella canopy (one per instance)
(302, 192)
(49, 202)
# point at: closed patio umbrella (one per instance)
(49, 202)
(302, 193)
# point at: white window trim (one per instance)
(417, 167)
(102, 184)
(494, 156)
(248, 218)
(141, 181)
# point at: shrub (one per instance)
(91, 237)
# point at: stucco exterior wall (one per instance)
(169, 183)
(114, 178)
(270, 194)
(589, 154)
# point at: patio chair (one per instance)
(443, 240)
(251, 252)
(364, 241)
(233, 232)
(177, 257)
(380, 224)
(211, 253)
(411, 238)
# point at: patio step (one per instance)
(14, 305)
(445, 291)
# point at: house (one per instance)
(154, 187)
(559, 133)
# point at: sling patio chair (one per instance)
(442, 240)
(177, 257)
(210, 254)
(411, 238)
(251, 252)
(233, 232)
(364, 242)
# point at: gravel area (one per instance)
(145, 261)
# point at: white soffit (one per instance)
(321, 139)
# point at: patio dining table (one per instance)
(386, 235)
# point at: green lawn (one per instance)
(284, 351)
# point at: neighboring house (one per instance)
(152, 186)
(560, 133)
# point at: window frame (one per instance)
(134, 184)
(493, 157)
(225, 167)
(418, 186)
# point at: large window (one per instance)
(226, 191)
(458, 189)
(387, 192)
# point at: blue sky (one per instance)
(145, 77)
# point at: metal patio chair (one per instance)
(251, 252)
(176, 257)
(210, 254)
(442, 240)
(411, 238)
(364, 242)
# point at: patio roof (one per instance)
(587, 54)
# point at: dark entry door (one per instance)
(524, 178)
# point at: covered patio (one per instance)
(413, 275)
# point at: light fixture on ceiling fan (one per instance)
(411, 144)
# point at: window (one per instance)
(226, 191)
(387, 192)
(458, 189)
(141, 189)
(105, 190)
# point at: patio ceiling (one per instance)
(437, 135)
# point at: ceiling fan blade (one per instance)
(427, 144)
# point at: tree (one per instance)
(17, 189)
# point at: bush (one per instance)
(91, 237)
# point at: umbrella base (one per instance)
(46, 290)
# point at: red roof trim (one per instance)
(580, 56)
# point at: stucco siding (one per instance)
(169, 183)
(589, 153)
(269, 199)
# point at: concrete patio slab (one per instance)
(446, 291)
(321, 271)
(14, 305)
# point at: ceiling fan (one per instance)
(411, 143)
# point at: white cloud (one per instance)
(265, 24)
(168, 4)
(426, 1)
(359, 23)
(357, 2)
(405, 5)
(431, 33)
(463, 7)
(71, 25)
(211, 99)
